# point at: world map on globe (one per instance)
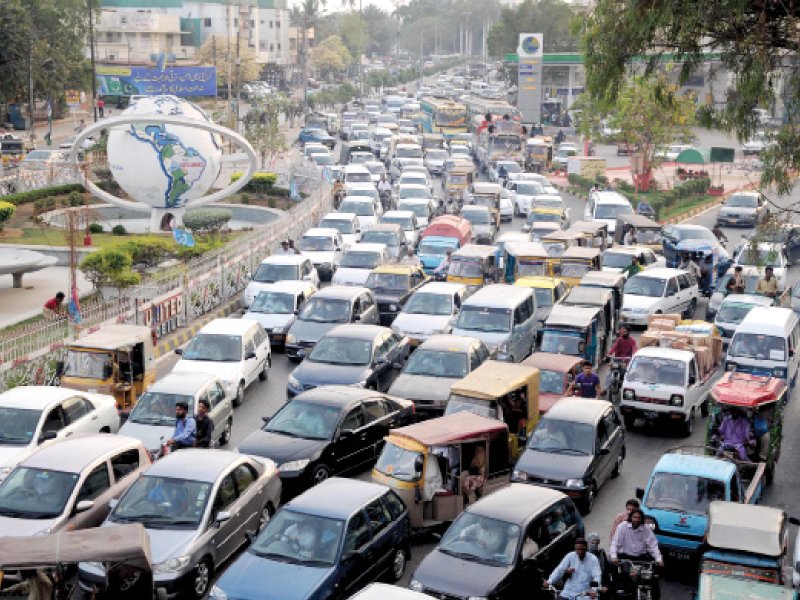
(163, 165)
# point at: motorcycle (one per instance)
(618, 368)
(386, 200)
(642, 574)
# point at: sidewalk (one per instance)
(19, 304)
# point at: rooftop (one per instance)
(350, 495)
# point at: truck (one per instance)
(669, 385)
(503, 142)
(682, 486)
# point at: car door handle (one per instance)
(94, 417)
(67, 434)
(363, 436)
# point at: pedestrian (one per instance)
(738, 280)
(690, 266)
(54, 308)
(101, 107)
(284, 249)
(185, 428)
(632, 269)
(630, 505)
(203, 424)
(767, 285)
(717, 231)
(80, 126)
(629, 239)
(587, 382)
(292, 248)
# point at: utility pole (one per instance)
(30, 92)
(238, 80)
(91, 55)
(228, 56)
(361, 51)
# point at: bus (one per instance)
(442, 115)
(477, 106)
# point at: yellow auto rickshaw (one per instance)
(595, 233)
(557, 241)
(457, 180)
(527, 258)
(488, 195)
(577, 261)
(538, 155)
(473, 265)
(508, 392)
(428, 464)
(117, 360)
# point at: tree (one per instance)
(756, 41)
(647, 112)
(552, 17)
(218, 50)
(262, 129)
(330, 56)
(354, 33)
(304, 18)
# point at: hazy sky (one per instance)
(336, 5)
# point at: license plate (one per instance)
(651, 414)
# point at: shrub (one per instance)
(75, 198)
(111, 266)
(260, 183)
(33, 195)
(149, 252)
(119, 230)
(207, 220)
(95, 228)
(7, 211)
(244, 199)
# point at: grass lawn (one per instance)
(683, 206)
(38, 236)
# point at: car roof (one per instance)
(358, 331)
(185, 384)
(667, 353)
(356, 169)
(695, 465)
(341, 396)
(395, 269)
(290, 286)
(340, 292)
(384, 227)
(196, 464)
(446, 288)
(498, 295)
(747, 299)
(579, 410)
(406, 214)
(74, 454)
(610, 197)
(448, 341)
(366, 247)
(35, 396)
(350, 495)
(517, 503)
(567, 315)
(340, 216)
(284, 259)
(660, 273)
(321, 232)
(227, 326)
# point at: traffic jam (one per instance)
(474, 358)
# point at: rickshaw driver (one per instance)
(734, 432)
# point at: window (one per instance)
(568, 510)
(684, 282)
(262, 45)
(602, 434)
(279, 45)
(95, 483)
(125, 463)
(357, 310)
(278, 26)
(244, 475)
(522, 313)
(384, 346)
(693, 371)
(215, 394)
(483, 352)
(672, 287)
(366, 302)
(74, 409)
(225, 495)
(249, 348)
(379, 517)
(207, 22)
(735, 488)
(474, 359)
(54, 420)
(612, 423)
(394, 504)
(272, 47)
(692, 279)
(354, 419)
(357, 532)
(375, 409)
(260, 336)
(236, 23)
(270, 25)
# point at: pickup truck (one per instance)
(681, 488)
(667, 385)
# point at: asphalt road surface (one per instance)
(644, 448)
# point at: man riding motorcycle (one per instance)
(385, 192)
(635, 541)
(580, 570)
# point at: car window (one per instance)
(394, 504)
(249, 348)
(306, 268)
(683, 282)
(124, 463)
(602, 433)
(366, 302)
(357, 532)
(357, 310)
(692, 279)
(259, 336)
(383, 347)
(379, 517)
(522, 313)
(244, 475)
(610, 423)
(483, 353)
(354, 419)
(226, 494)
(375, 409)
(672, 287)
(569, 512)
(74, 409)
(95, 483)
(54, 420)
(215, 394)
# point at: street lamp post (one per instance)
(91, 55)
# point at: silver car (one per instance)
(152, 420)
(198, 507)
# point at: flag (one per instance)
(183, 237)
(74, 306)
(326, 174)
(161, 61)
(294, 193)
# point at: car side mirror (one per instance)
(266, 419)
(59, 368)
(112, 504)
(221, 517)
(47, 436)
(692, 379)
(418, 464)
(346, 433)
(381, 360)
(794, 520)
(604, 451)
(250, 355)
(179, 351)
(640, 493)
(83, 506)
(108, 371)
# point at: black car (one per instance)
(367, 356)
(392, 286)
(500, 546)
(327, 543)
(332, 429)
(576, 446)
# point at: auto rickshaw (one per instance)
(428, 464)
(508, 392)
(556, 373)
(433, 140)
(577, 261)
(117, 360)
(548, 292)
(538, 155)
(647, 232)
(761, 399)
(488, 195)
(526, 258)
(543, 214)
(614, 282)
(456, 182)
(124, 550)
(595, 234)
(576, 331)
(556, 242)
(473, 265)
(595, 297)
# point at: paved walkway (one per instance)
(19, 304)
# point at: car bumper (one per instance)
(652, 412)
(298, 351)
(387, 318)
(174, 584)
(636, 319)
(293, 484)
(742, 220)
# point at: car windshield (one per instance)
(90, 365)
(341, 351)
(340, 225)
(491, 320)
(645, 286)
(314, 243)
(361, 260)
(17, 425)
(612, 211)
(656, 371)
(542, 216)
(465, 268)
(475, 538)
(323, 159)
(163, 503)
(404, 222)
(477, 217)
(437, 363)
(544, 297)
(683, 493)
(529, 188)
(359, 207)
(484, 408)
(367, 192)
(387, 281)
(409, 152)
(549, 203)
(647, 236)
(390, 238)
(325, 310)
(398, 462)
(218, 347)
(760, 257)
(358, 178)
(510, 167)
(562, 342)
(742, 201)
(300, 539)
(761, 347)
(733, 312)
(414, 192)
(273, 303)
(306, 420)
(616, 260)
(434, 249)
(574, 269)
(551, 382)
(562, 437)
(36, 493)
(158, 408)
(418, 208)
(694, 234)
(436, 155)
(423, 303)
(270, 273)
(531, 267)
(375, 168)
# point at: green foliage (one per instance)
(75, 198)
(261, 183)
(111, 266)
(207, 220)
(330, 56)
(34, 195)
(551, 16)
(7, 211)
(219, 49)
(95, 228)
(149, 252)
(201, 247)
(119, 230)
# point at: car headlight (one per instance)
(629, 394)
(521, 475)
(278, 330)
(290, 339)
(502, 347)
(292, 382)
(415, 586)
(361, 384)
(4, 472)
(676, 400)
(650, 522)
(172, 565)
(394, 307)
(294, 465)
(730, 366)
(779, 373)
(573, 483)
(95, 565)
(217, 594)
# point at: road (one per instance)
(643, 448)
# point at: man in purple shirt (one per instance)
(587, 382)
(734, 432)
(634, 540)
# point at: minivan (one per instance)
(606, 207)
(658, 291)
(279, 267)
(766, 343)
(323, 245)
(503, 317)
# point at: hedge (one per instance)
(260, 183)
(207, 219)
(33, 195)
(7, 211)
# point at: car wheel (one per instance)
(691, 308)
(202, 578)
(687, 428)
(618, 467)
(320, 474)
(630, 421)
(588, 502)
(265, 371)
(237, 400)
(226, 433)
(398, 567)
(266, 514)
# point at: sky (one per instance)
(336, 5)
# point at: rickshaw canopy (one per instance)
(604, 279)
(744, 390)
(581, 253)
(494, 379)
(480, 188)
(591, 227)
(474, 252)
(114, 337)
(546, 361)
(526, 250)
(717, 587)
(450, 429)
(750, 528)
(637, 221)
(591, 296)
(128, 544)
(572, 316)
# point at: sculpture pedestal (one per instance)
(165, 219)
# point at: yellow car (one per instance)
(392, 286)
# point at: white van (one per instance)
(357, 174)
(766, 343)
(606, 207)
(655, 291)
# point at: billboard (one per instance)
(113, 80)
(529, 83)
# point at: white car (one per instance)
(323, 245)
(398, 165)
(413, 191)
(358, 261)
(430, 310)
(346, 224)
(459, 151)
(523, 194)
(506, 206)
(280, 267)
(407, 220)
(434, 160)
(767, 254)
(415, 178)
(757, 144)
(376, 168)
(366, 209)
(538, 178)
(423, 208)
(235, 350)
(658, 291)
(357, 174)
(276, 306)
(34, 414)
(605, 207)
(671, 152)
(314, 148)
(619, 257)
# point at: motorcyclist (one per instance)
(441, 209)
(444, 266)
(624, 346)
(580, 570)
(635, 541)
(384, 190)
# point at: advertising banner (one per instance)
(113, 80)
(529, 84)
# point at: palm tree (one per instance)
(304, 18)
